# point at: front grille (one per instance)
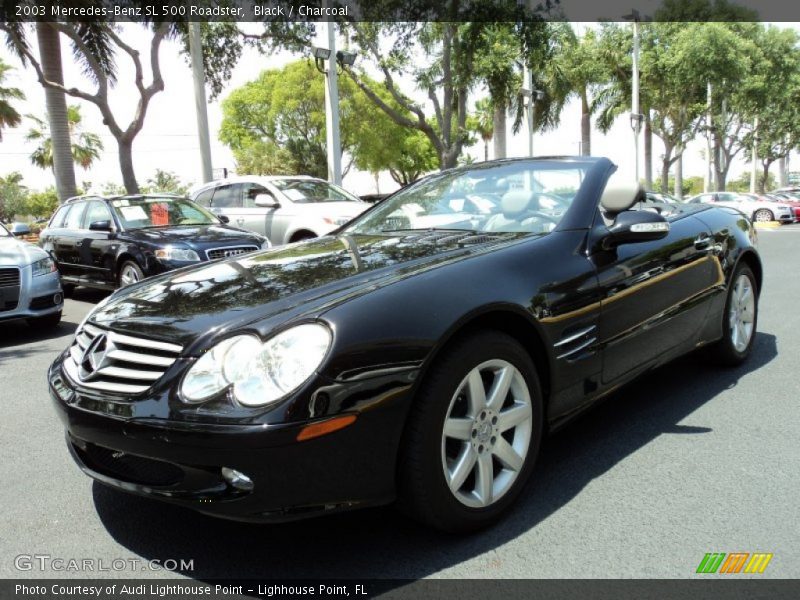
(130, 468)
(216, 253)
(9, 277)
(116, 362)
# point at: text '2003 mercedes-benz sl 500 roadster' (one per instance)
(418, 354)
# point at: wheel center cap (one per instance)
(484, 432)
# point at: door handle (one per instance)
(702, 242)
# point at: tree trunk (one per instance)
(485, 150)
(679, 174)
(56, 102)
(666, 161)
(126, 166)
(648, 151)
(499, 126)
(586, 126)
(783, 180)
(762, 183)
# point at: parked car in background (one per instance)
(661, 203)
(285, 209)
(790, 198)
(29, 284)
(112, 242)
(757, 210)
(385, 363)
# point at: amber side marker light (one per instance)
(317, 429)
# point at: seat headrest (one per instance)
(619, 196)
(516, 202)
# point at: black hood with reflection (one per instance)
(286, 282)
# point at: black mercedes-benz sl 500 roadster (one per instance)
(418, 354)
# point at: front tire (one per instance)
(763, 215)
(129, 273)
(473, 434)
(739, 320)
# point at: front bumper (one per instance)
(35, 296)
(180, 461)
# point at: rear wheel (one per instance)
(302, 235)
(762, 215)
(739, 319)
(47, 322)
(130, 273)
(473, 434)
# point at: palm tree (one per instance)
(85, 146)
(9, 117)
(484, 123)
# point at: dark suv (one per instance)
(112, 242)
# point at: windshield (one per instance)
(312, 190)
(522, 197)
(4, 231)
(160, 212)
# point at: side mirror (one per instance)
(224, 218)
(100, 226)
(635, 226)
(266, 201)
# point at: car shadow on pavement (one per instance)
(19, 340)
(383, 544)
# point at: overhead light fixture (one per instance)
(345, 58)
(321, 53)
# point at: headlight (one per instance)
(266, 245)
(258, 372)
(44, 267)
(181, 254)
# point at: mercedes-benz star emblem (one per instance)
(95, 356)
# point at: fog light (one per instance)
(237, 479)
(57, 299)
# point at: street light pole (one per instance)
(334, 148)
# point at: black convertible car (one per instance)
(418, 354)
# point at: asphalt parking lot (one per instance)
(690, 460)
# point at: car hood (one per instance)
(284, 283)
(14, 252)
(191, 235)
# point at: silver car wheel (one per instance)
(487, 433)
(741, 313)
(763, 215)
(129, 275)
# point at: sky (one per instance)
(169, 140)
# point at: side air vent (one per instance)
(575, 344)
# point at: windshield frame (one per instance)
(115, 209)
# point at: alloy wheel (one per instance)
(741, 312)
(487, 433)
(129, 275)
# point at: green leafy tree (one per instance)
(86, 146)
(446, 60)
(42, 204)
(13, 196)
(165, 181)
(9, 117)
(276, 125)
(484, 123)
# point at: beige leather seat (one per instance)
(515, 206)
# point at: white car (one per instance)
(283, 208)
(757, 210)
